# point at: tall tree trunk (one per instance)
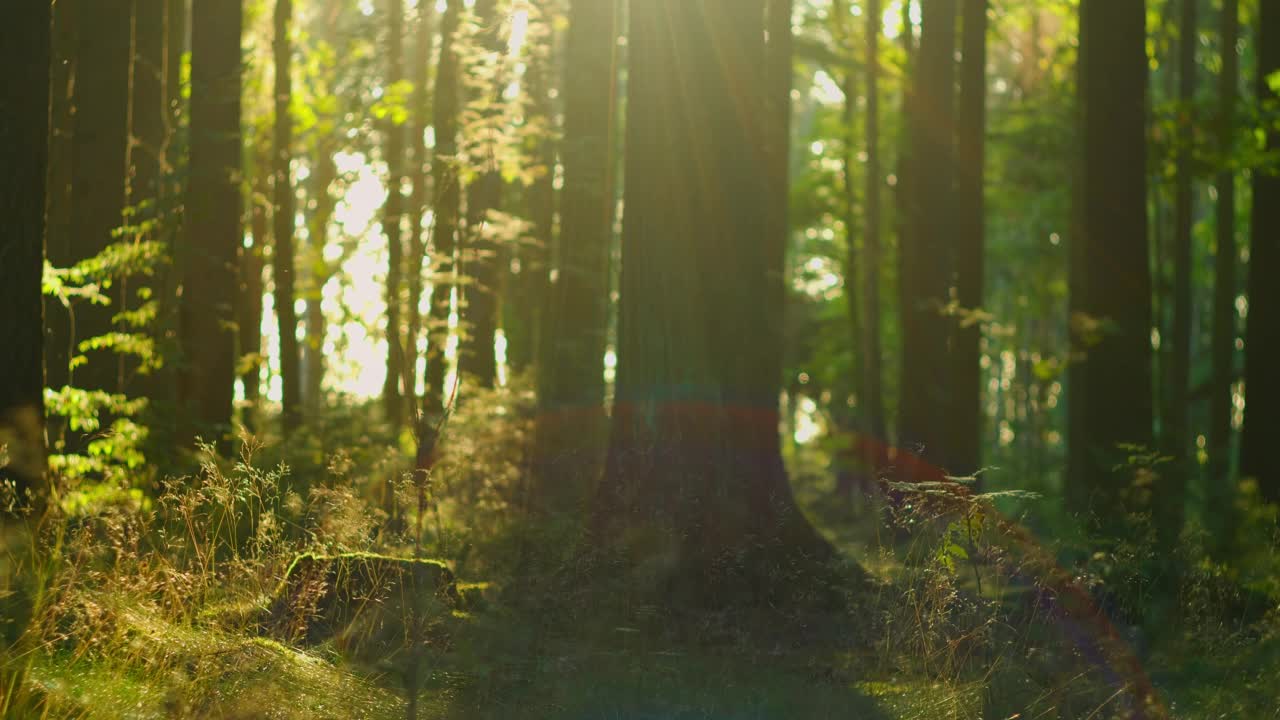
(313, 366)
(100, 145)
(527, 301)
(284, 263)
(418, 201)
(571, 386)
(927, 256)
(212, 222)
(1171, 492)
(853, 421)
(971, 127)
(148, 114)
(873, 399)
(1262, 342)
(393, 213)
(480, 314)
(695, 452)
(252, 264)
(24, 146)
(1221, 491)
(446, 199)
(58, 244)
(1110, 399)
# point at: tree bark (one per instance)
(284, 263)
(1110, 400)
(25, 43)
(571, 388)
(100, 151)
(1221, 491)
(393, 213)
(418, 201)
(1258, 458)
(58, 244)
(252, 264)
(873, 399)
(212, 223)
(477, 357)
(1171, 493)
(313, 365)
(971, 125)
(446, 199)
(148, 114)
(927, 255)
(694, 454)
(853, 421)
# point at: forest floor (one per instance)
(967, 619)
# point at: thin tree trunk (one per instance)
(478, 358)
(1258, 458)
(1110, 399)
(284, 262)
(213, 218)
(971, 126)
(393, 213)
(252, 264)
(59, 246)
(148, 114)
(418, 201)
(313, 366)
(446, 192)
(873, 399)
(25, 42)
(1221, 491)
(853, 420)
(1171, 492)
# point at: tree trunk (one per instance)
(446, 199)
(1221, 490)
(1171, 491)
(852, 421)
(284, 263)
(927, 256)
(212, 222)
(421, 111)
(571, 386)
(695, 454)
(1258, 458)
(1110, 399)
(313, 366)
(148, 115)
(873, 399)
(24, 145)
(971, 126)
(252, 264)
(393, 213)
(477, 358)
(100, 145)
(58, 244)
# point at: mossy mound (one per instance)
(373, 608)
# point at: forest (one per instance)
(667, 359)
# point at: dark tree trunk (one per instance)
(100, 151)
(418, 201)
(1110, 399)
(212, 222)
(148, 115)
(480, 314)
(695, 451)
(446, 199)
(284, 263)
(927, 252)
(1171, 492)
(58, 245)
(571, 387)
(24, 145)
(1258, 458)
(971, 127)
(853, 421)
(1221, 490)
(393, 214)
(872, 378)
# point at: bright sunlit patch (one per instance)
(809, 425)
(519, 30)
